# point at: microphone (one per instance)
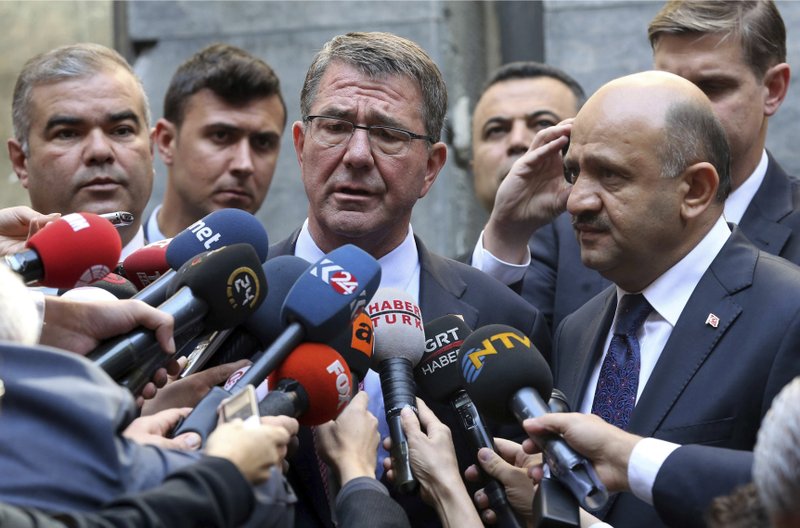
(223, 227)
(325, 299)
(399, 341)
(73, 251)
(145, 265)
(356, 345)
(438, 377)
(116, 285)
(508, 378)
(215, 290)
(312, 384)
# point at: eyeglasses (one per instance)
(335, 132)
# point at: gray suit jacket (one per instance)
(558, 283)
(710, 385)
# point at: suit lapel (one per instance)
(694, 336)
(441, 289)
(771, 203)
(589, 349)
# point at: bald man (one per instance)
(690, 357)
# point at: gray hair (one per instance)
(693, 134)
(74, 61)
(776, 464)
(377, 55)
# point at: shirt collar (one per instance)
(154, 233)
(136, 242)
(737, 202)
(670, 292)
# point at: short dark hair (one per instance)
(377, 54)
(756, 23)
(532, 70)
(692, 134)
(233, 74)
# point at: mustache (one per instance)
(590, 220)
(90, 174)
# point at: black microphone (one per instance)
(399, 341)
(439, 379)
(215, 290)
(508, 378)
(356, 345)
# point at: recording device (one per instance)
(243, 406)
(220, 228)
(316, 382)
(399, 341)
(118, 219)
(439, 379)
(145, 265)
(356, 345)
(216, 290)
(75, 250)
(119, 287)
(508, 379)
(323, 300)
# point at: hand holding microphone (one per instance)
(508, 379)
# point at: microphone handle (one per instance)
(118, 356)
(289, 398)
(571, 469)
(397, 384)
(272, 356)
(478, 437)
(203, 418)
(141, 375)
(26, 264)
(156, 292)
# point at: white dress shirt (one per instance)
(400, 269)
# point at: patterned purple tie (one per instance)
(615, 395)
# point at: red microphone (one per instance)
(145, 265)
(73, 251)
(313, 384)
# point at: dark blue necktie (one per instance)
(615, 395)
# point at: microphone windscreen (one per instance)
(76, 250)
(496, 361)
(437, 374)
(324, 375)
(116, 285)
(87, 293)
(145, 265)
(327, 297)
(356, 344)
(281, 272)
(223, 227)
(230, 280)
(397, 323)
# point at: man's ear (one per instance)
(701, 183)
(437, 156)
(19, 161)
(165, 134)
(299, 140)
(776, 84)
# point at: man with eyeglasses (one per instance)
(373, 105)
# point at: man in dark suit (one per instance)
(373, 106)
(690, 39)
(720, 327)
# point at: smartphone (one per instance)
(119, 218)
(242, 405)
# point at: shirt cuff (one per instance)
(501, 270)
(600, 524)
(647, 457)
